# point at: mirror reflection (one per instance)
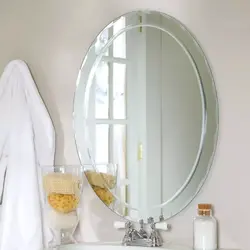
(145, 116)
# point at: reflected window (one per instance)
(119, 44)
(119, 87)
(102, 143)
(102, 40)
(102, 91)
(110, 105)
(110, 97)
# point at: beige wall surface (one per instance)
(53, 36)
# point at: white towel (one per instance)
(27, 139)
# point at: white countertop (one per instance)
(114, 246)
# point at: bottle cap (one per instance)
(204, 209)
(204, 206)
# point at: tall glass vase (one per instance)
(62, 189)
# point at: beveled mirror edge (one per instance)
(216, 133)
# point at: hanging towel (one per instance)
(27, 140)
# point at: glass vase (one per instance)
(62, 189)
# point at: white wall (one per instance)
(52, 37)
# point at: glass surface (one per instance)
(119, 146)
(119, 44)
(102, 144)
(162, 119)
(101, 41)
(102, 91)
(62, 189)
(119, 91)
(119, 156)
(103, 178)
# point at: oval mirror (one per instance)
(145, 116)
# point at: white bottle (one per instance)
(205, 229)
